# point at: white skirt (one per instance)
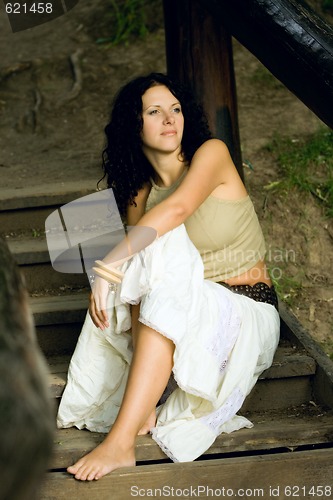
(223, 342)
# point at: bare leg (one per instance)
(149, 374)
(149, 424)
(151, 421)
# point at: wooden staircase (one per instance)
(288, 452)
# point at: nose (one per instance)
(169, 118)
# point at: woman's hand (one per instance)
(97, 303)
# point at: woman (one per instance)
(215, 334)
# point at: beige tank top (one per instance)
(227, 233)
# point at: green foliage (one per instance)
(36, 233)
(306, 165)
(127, 19)
(287, 288)
(263, 77)
(327, 4)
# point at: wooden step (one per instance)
(284, 384)
(51, 310)
(307, 424)
(24, 209)
(58, 321)
(32, 255)
(288, 452)
(305, 474)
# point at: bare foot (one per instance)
(149, 424)
(101, 461)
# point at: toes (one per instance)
(92, 475)
(72, 469)
(82, 475)
(78, 470)
(84, 472)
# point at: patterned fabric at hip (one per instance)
(260, 292)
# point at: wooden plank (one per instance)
(290, 365)
(276, 394)
(269, 432)
(28, 207)
(267, 394)
(265, 476)
(296, 333)
(58, 339)
(287, 363)
(45, 195)
(57, 384)
(290, 39)
(58, 309)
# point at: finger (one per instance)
(94, 314)
(104, 316)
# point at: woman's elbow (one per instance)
(179, 212)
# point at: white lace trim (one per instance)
(162, 445)
(228, 410)
(226, 334)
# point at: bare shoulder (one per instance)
(215, 153)
(215, 159)
(214, 147)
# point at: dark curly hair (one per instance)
(125, 166)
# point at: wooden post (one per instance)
(199, 53)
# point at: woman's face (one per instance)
(163, 120)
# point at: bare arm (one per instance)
(211, 167)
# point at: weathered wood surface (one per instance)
(243, 475)
(199, 53)
(270, 431)
(288, 363)
(24, 208)
(299, 425)
(296, 333)
(294, 43)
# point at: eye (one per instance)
(177, 109)
(153, 112)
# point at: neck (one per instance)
(168, 167)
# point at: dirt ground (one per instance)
(56, 85)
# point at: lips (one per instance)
(169, 133)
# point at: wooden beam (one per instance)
(270, 431)
(290, 39)
(302, 474)
(199, 53)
